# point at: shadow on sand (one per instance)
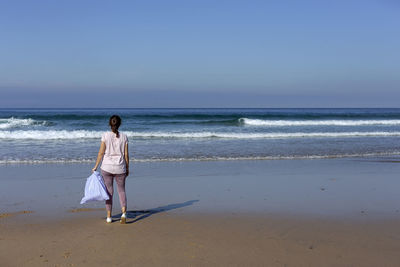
(138, 215)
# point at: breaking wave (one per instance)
(12, 122)
(282, 123)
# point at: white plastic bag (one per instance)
(95, 190)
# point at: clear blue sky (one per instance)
(200, 53)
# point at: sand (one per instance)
(200, 240)
(272, 213)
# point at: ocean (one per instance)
(73, 135)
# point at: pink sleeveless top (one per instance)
(113, 160)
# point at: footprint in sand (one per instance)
(67, 254)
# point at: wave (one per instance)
(230, 119)
(84, 134)
(212, 115)
(7, 123)
(50, 135)
(217, 158)
(226, 122)
(274, 122)
(277, 123)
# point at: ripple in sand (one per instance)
(85, 209)
(9, 214)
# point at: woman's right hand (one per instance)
(94, 169)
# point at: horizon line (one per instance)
(1, 108)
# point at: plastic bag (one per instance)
(95, 190)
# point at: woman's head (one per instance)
(115, 122)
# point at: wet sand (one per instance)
(261, 213)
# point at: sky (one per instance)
(78, 53)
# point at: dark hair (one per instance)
(115, 122)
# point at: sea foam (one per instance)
(85, 134)
(215, 158)
(12, 122)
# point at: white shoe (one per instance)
(123, 218)
(109, 220)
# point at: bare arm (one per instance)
(126, 155)
(100, 155)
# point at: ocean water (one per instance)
(73, 135)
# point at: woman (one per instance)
(114, 153)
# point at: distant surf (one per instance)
(18, 123)
(280, 123)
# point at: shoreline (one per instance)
(343, 188)
(393, 157)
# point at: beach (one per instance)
(261, 133)
(321, 212)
